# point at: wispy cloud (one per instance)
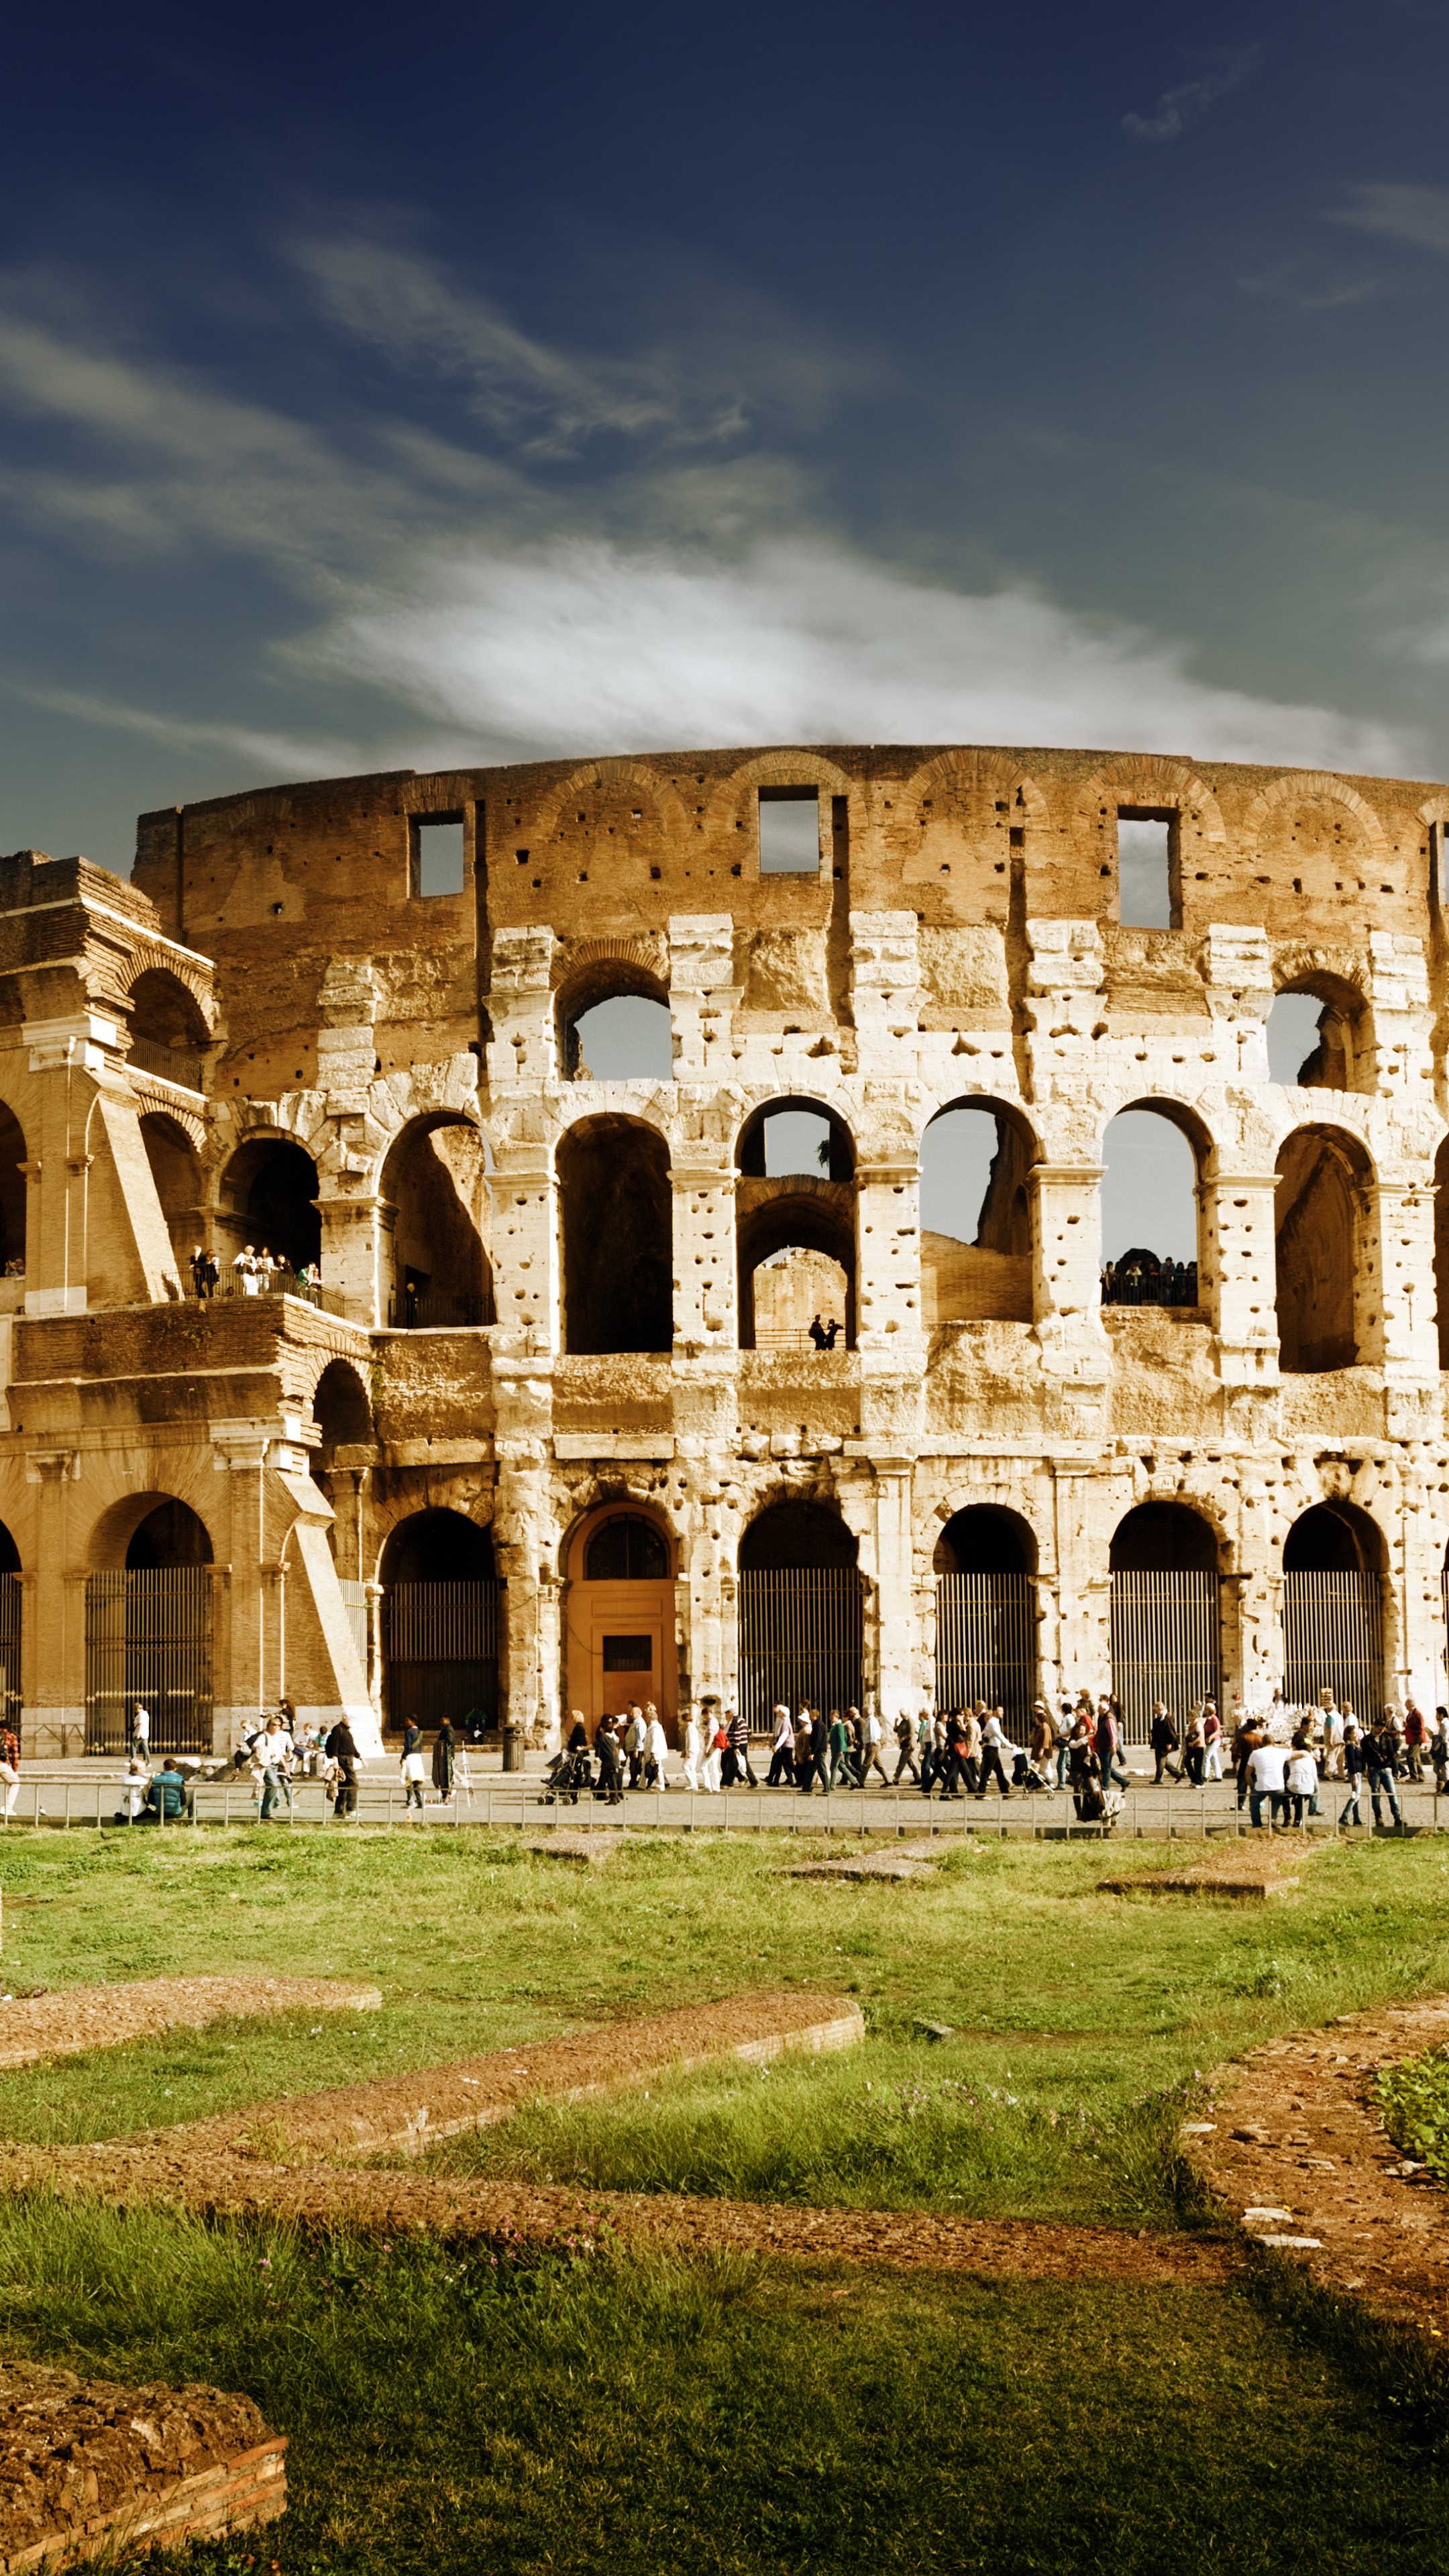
(1417, 215)
(293, 755)
(588, 644)
(1181, 106)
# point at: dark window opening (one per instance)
(797, 1537)
(1145, 869)
(627, 1549)
(268, 1199)
(171, 1535)
(617, 1218)
(436, 854)
(12, 1195)
(789, 831)
(1318, 1228)
(628, 1654)
(983, 1539)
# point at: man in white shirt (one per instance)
(1267, 1768)
(656, 1751)
(874, 1738)
(141, 1732)
(273, 1753)
(992, 1741)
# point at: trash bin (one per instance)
(512, 1746)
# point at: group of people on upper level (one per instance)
(255, 1272)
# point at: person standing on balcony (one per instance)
(246, 1271)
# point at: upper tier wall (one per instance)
(957, 835)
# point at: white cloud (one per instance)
(1416, 215)
(276, 753)
(583, 643)
(1178, 108)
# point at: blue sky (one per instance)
(377, 391)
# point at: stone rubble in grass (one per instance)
(91, 2469)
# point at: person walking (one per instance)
(1043, 1744)
(874, 1739)
(1267, 1769)
(1194, 1749)
(656, 1749)
(737, 1727)
(1109, 1746)
(989, 1760)
(1301, 1782)
(611, 1770)
(141, 1731)
(273, 1754)
(905, 1732)
(1378, 1765)
(781, 1773)
(1162, 1738)
(341, 1748)
(838, 1739)
(1250, 1734)
(719, 1745)
(411, 1767)
(634, 1743)
(1353, 1770)
(1212, 1740)
(445, 1760)
(804, 1753)
(1439, 1748)
(1415, 1738)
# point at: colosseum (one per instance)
(519, 1382)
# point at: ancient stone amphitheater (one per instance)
(519, 1400)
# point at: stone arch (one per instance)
(13, 1193)
(342, 1409)
(439, 1621)
(1323, 1249)
(1335, 1536)
(176, 1171)
(1335, 1580)
(1151, 783)
(1170, 1271)
(594, 972)
(435, 1216)
(170, 1031)
(149, 1531)
(607, 815)
(801, 1609)
(1165, 1535)
(267, 1197)
(616, 1219)
(809, 1217)
(984, 1274)
(1315, 841)
(619, 1610)
(791, 1533)
(985, 1538)
(955, 822)
(1165, 1562)
(1343, 1022)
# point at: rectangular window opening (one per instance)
(436, 854)
(1145, 869)
(628, 1654)
(789, 831)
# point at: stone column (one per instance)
(706, 1306)
(888, 1253)
(1066, 1239)
(1238, 1258)
(702, 997)
(53, 1636)
(68, 1057)
(895, 1569)
(519, 1001)
(527, 1290)
(251, 1642)
(1399, 1330)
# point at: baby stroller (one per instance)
(1025, 1775)
(571, 1778)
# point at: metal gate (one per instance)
(1333, 1639)
(11, 1594)
(440, 1641)
(801, 1641)
(148, 1638)
(1165, 1645)
(986, 1643)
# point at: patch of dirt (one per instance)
(408, 2113)
(89, 2469)
(585, 1850)
(68, 2022)
(1293, 2143)
(909, 1863)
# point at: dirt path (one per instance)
(1297, 2151)
(79, 2018)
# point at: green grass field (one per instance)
(608, 2413)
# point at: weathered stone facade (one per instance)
(272, 977)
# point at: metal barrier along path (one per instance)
(1165, 1644)
(1333, 1639)
(801, 1640)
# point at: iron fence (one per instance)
(1166, 1631)
(422, 1310)
(986, 1645)
(148, 1638)
(801, 1641)
(11, 1595)
(1159, 1283)
(1333, 1639)
(440, 1644)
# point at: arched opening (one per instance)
(801, 1612)
(176, 1171)
(617, 1220)
(1315, 1034)
(268, 1207)
(976, 1216)
(440, 1623)
(168, 1030)
(149, 1627)
(12, 1195)
(1149, 1208)
(339, 1465)
(1166, 1613)
(1441, 1249)
(435, 1194)
(1320, 1234)
(795, 1228)
(986, 1622)
(11, 1607)
(1334, 1564)
(620, 1615)
(614, 1024)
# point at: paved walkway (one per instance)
(85, 1792)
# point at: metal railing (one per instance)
(1165, 1644)
(242, 1285)
(148, 1638)
(986, 1644)
(1333, 1637)
(423, 1310)
(440, 1644)
(1154, 1283)
(792, 1337)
